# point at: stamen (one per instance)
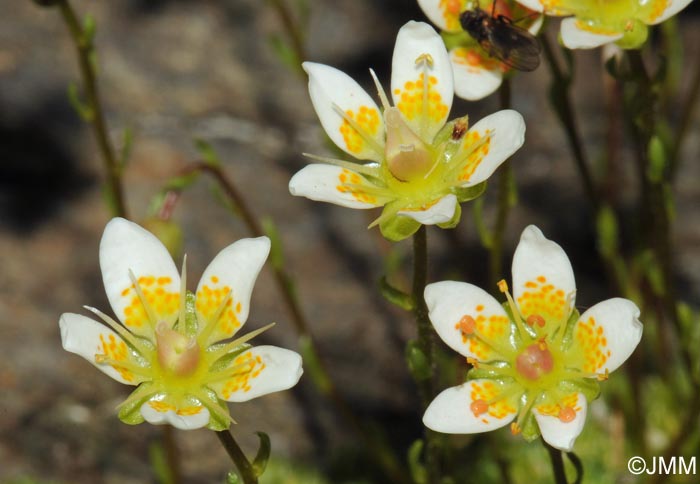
(567, 414)
(139, 292)
(213, 406)
(369, 169)
(503, 287)
(524, 412)
(121, 331)
(183, 298)
(240, 369)
(574, 373)
(515, 428)
(363, 134)
(380, 91)
(457, 162)
(468, 327)
(535, 319)
(203, 337)
(101, 359)
(239, 341)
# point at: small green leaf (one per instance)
(179, 183)
(415, 464)
(466, 194)
(232, 478)
(417, 362)
(284, 51)
(276, 253)
(83, 109)
(89, 30)
(207, 152)
(263, 455)
(608, 238)
(127, 144)
(484, 233)
(452, 223)
(396, 296)
(657, 160)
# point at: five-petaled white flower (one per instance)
(419, 167)
(534, 358)
(172, 344)
(476, 73)
(594, 23)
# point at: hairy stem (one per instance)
(86, 52)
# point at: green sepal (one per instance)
(635, 36)
(260, 462)
(396, 296)
(452, 223)
(415, 465)
(476, 373)
(129, 409)
(569, 327)
(398, 227)
(219, 416)
(589, 387)
(465, 194)
(530, 429)
(417, 362)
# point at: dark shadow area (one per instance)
(37, 171)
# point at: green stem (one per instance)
(172, 454)
(563, 107)
(505, 182)
(426, 343)
(86, 53)
(293, 31)
(245, 469)
(557, 463)
(383, 455)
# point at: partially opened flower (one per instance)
(537, 362)
(476, 73)
(174, 345)
(419, 167)
(594, 23)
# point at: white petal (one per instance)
(474, 80)
(420, 59)
(450, 412)
(175, 417)
(449, 301)
(575, 37)
(543, 280)
(272, 369)
(506, 129)
(562, 435)
(608, 333)
(233, 270)
(325, 183)
(126, 247)
(444, 14)
(438, 213)
(330, 89)
(535, 27)
(672, 9)
(87, 338)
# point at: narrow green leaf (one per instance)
(84, 110)
(207, 152)
(608, 238)
(263, 455)
(284, 51)
(312, 365)
(417, 362)
(396, 296)
(415, 464)
(485, 234)
(232, 478)
(276, 252)
(657, 160)
(89, 30)
(127, 145)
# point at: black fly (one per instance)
(502, 39)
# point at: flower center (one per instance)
(408, 158)
(177, 353)
(535, 361)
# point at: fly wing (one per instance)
(514, 46)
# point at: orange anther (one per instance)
(515, 428)
(503, 285)
(479, 407)
(473, 361)
(567, 414)
(467, 325)
(535, 319)
(603, 376)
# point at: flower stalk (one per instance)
(245, 469)
(95, 113)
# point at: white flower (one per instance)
(537, 362)
(419, 166)
(172, 344)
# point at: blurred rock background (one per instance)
(177, 70)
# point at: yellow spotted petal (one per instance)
(259, 371)
(347, 113)
(606, 335)
(543, 280)
(476, 74)
(473, 407)
(183, 415)
(578, 35)
(561, 423)
(337, 185)
(95, 342)
(223, 295)
(444, 13)
(153, 295)
(421, 79)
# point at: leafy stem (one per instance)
(237, 456)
